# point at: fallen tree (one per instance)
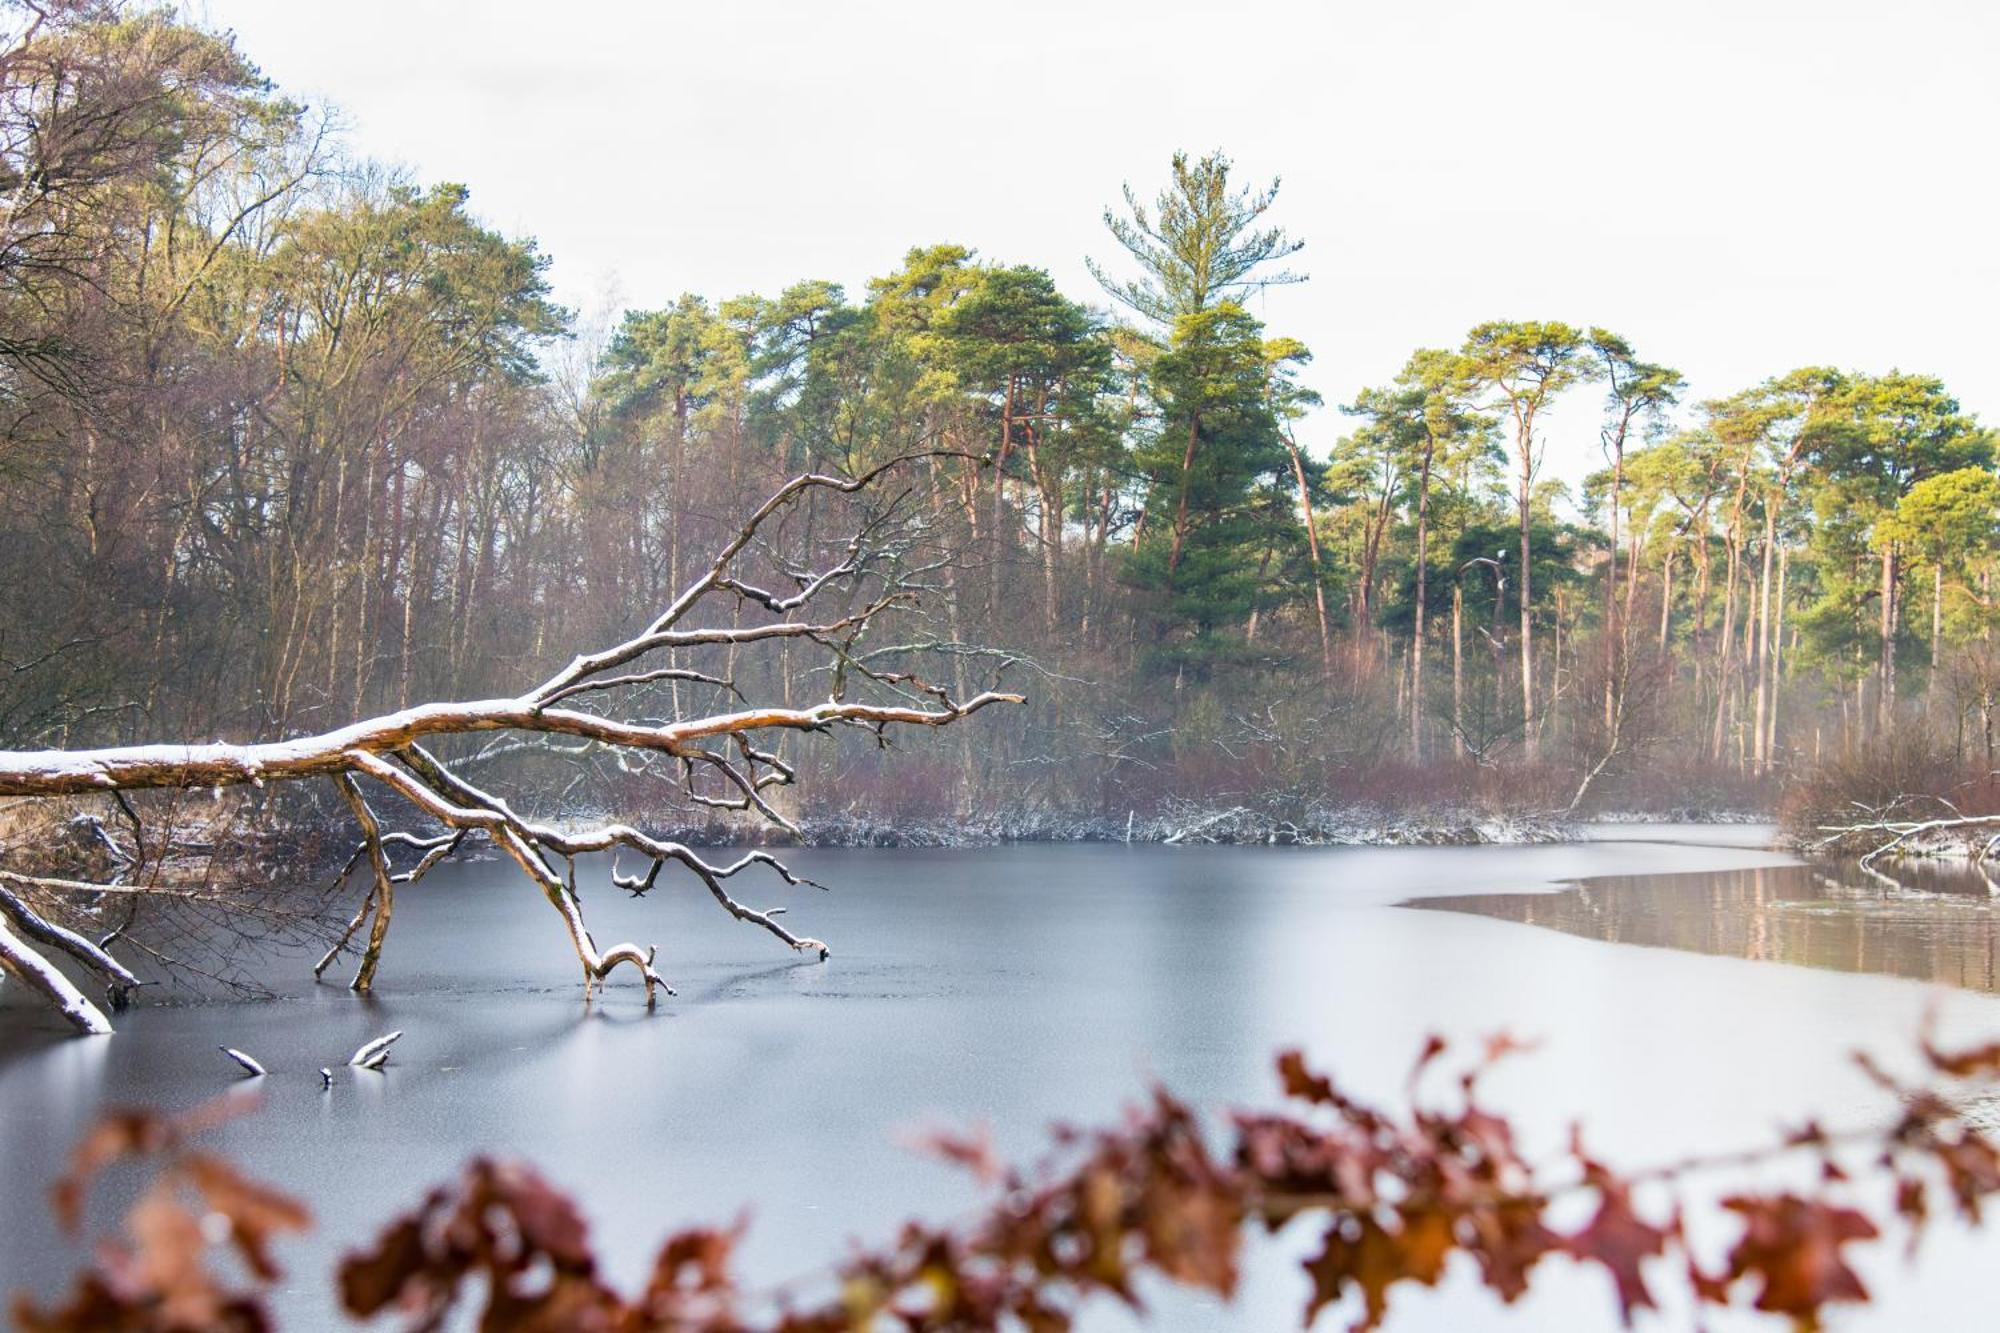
(721, 758)
(1889, 833)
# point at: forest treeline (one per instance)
(287, 438)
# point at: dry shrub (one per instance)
(1909, 773)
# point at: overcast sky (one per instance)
(1739, 188)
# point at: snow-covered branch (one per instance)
(399, 753)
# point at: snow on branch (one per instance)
(399, 753)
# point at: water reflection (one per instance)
(1935, 922)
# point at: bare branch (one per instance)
(395, 751)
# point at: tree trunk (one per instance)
(1666, 596)
(1458, 668)
(1530, 739)
(1986, 726)
(1725, 646)
(1312, 546)
(39, 975)
(1759, 759)
(1614, 644)
(1776, 665)
(998, 525)
(1937, 620)
(1886, 694)
(1048, 535)
(1181, 509)
(1417, 632)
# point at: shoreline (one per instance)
(1190, 824)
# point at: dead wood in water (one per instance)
(722, 759)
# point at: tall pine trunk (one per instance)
(1530, 738)
(1417, 633)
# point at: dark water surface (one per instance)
(1024, 985)
(1936, 922)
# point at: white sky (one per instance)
(1739, 188)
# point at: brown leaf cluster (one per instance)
(1393, 1196)
(157, 1278)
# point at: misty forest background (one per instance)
(287, 438)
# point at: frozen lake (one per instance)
(1023, 985)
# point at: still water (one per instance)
(1021, 986)
(1931, 922)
